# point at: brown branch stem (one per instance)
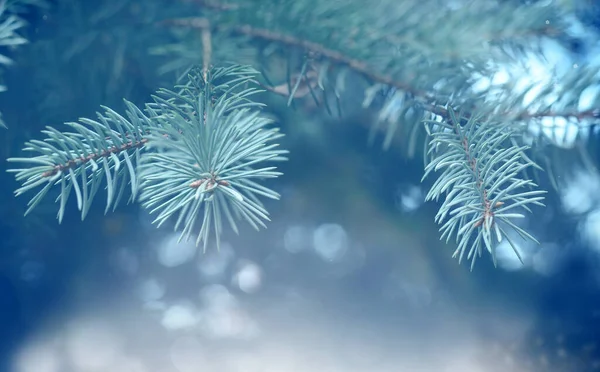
(77, 162)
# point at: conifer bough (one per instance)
(200, 154)
(199, 150)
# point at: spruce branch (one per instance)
(209, 157)
(197, 148)
(345, 46)
(427, 65)
(107, 148)
(480, 36)
(480, 181)
(199, 154)
(315, 50)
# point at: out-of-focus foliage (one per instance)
(100, 55)
(11, 24)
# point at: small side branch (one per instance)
(77, 162)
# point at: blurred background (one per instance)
(349, 276)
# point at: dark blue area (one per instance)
(11, 322)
